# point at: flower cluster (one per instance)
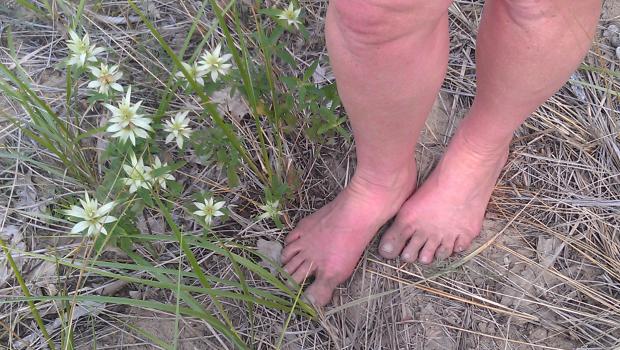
(209, 210)
(82, 52)
(92, 216)
(141, 176)
(178, 128)
(106, 77)
(211, 62)
(290, 15)
(194, 71)
(128, 122)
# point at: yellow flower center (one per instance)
(125, 113)
(209, 210)
(106, 79)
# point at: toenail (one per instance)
(459, 249)
(387, 248)
(310, 299)
(406, 257)
(424, 260)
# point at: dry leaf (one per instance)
(43, 274)
(11, 235)
(235, 105)
(271, 250)
(321, 75)
(84, 308)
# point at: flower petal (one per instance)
(80, 226)
(106, 208)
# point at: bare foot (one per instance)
(329, 243)
(445, 214)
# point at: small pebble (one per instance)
(615, 40)
(51, 289)
(618, 52)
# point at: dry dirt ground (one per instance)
(544, 274)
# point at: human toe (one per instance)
(290, 251)
(412, 249)
(293, 235)
(394, 239)
(304, 271)
(446, 248)
(428, 251)
(463, 242)
(294, 263)
(320, 291)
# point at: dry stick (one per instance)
(498, 307)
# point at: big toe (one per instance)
(394, 239)
(320, 292)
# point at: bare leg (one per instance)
(389, 57)
(526, 50)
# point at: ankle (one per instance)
(480, 143)
(388, 179)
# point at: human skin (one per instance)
(389, 58)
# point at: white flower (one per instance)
(161, 179)
(106, 78)
(270, 210)
(194, 71)
(178, 128)
(81, 50)
(93, 216)
(209, 209)
(138, 175)
(215, 64)
(291, 15)
(126, 123)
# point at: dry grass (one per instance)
(545, 273)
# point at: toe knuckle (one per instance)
(334, 275)
(404, 225)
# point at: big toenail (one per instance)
(310, 299)
(387, 248)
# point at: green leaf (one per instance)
(271, 12)
(168, 169)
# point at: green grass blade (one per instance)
(215, 115)
(30, 6)
(145, 304)
(194, 263)
(24, 288)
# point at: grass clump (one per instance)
(186, 137)
(123, 148)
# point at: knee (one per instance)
(376, 22)
(553, 17)
(524, 11)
